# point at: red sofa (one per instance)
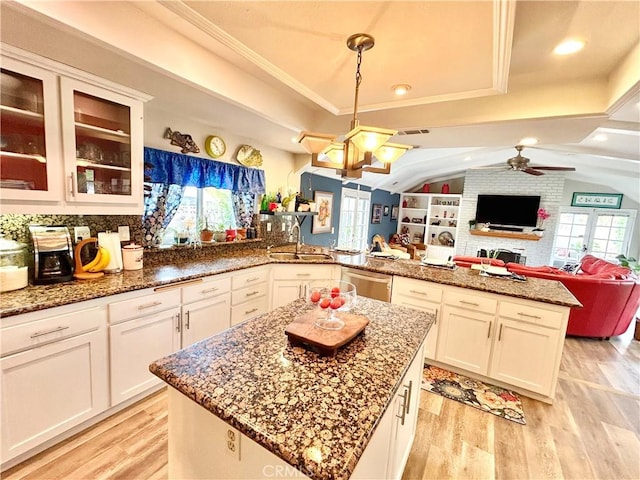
(609, 293)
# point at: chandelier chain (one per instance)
(354, 121)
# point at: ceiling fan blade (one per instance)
(531, 171)
(491, 168)
(566, 169)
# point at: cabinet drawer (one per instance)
(417, 289)
(207, 289)
(247, 310)
(248, 293)
(251, 277)
(531, 314)
(477, 303)
(303, 272)
(143, 305)
(33, 334)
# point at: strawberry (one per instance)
(335, 292)
(336, 303)
(315, 297)
(325, 302)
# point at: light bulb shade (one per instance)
(335, 152)
(369, 139)
(390, 152)
(315, 142)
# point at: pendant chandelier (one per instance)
(362, 144)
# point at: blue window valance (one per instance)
(177, 169)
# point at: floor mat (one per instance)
(477, 394)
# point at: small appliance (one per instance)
(53, 254)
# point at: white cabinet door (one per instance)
(289, 281)
(31, 149)
(405, 404)
(49, 389)
(103, 147)
(525, 355)
(285, 291)
(464, 339)
(134, 345)
(205, 318)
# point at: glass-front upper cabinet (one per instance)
(102, 144)
(30, 162)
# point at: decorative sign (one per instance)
(596, 200)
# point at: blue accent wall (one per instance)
(310, 183)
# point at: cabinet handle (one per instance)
(436, 322)
(250, 294)
(500, 333)
(404, 407)
(250, 311)
(72, 185)
(302, 274)
(489, 332)
(530, 316)
(177, 322)
(409, 399)
(418, 292)
(473, 304)
(40, 334)
(209, 290)
(187, 322)
(149, 305)
(252, 279)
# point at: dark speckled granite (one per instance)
(292, 401)
(33, 298)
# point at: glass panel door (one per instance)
(103, 145)
(571, 237)
(354, 207)
(610, 235)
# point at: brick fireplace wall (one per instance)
(549, 186)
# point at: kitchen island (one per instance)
(316, 414)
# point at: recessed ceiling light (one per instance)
(568, 47)
(528, 141)
(401, 89)
(601, 137)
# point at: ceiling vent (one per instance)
(416, 131)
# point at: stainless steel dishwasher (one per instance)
(369, 284)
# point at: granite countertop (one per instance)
(39, 297)
(293, 402)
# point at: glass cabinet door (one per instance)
(29, 137)
(103, 145)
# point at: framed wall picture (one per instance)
(324, 204)
(596, 200)
(376, 213)
(394, 212)
(385, 211)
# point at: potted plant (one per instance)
(472, 223)
(629, 262)
(219, 235)
(543, 214)
(206, 234)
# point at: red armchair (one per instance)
(609, 293)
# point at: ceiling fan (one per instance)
(521, 164)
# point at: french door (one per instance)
(354, 225)
(603, 233)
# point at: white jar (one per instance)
(132, 257)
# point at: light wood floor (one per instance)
(591, 431)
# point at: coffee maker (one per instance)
(53, 254)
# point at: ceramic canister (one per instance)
(132, 257)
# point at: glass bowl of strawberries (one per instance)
(331, 297)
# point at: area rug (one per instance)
(485, 397)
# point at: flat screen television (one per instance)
(514, 210)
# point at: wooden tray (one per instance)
(303, 332)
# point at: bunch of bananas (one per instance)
(99, 263)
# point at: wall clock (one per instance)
(215, 146)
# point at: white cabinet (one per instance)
(54, 375)
(206, 309)
(74, 142)
(464, 338)
(431, 219)
(250, 294)
(289, 281)
(527, 347)
(142, 329)
(420, 295)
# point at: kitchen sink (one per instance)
(299, 256)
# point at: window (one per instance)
(197, 205)
(354, 221)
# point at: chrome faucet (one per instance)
(295, 226)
